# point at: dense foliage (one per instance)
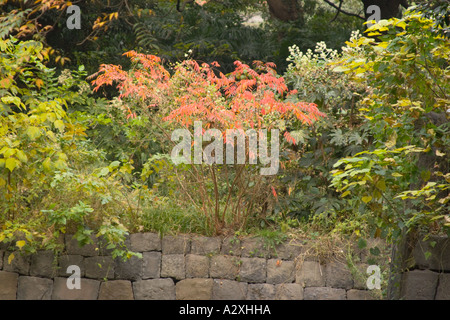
(44, 151)
(87, 150)
(406, 113)
(245, 99)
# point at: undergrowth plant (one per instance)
(306, 195)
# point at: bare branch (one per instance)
(339, 10)
(344, 12)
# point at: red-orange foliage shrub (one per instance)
(244, 99)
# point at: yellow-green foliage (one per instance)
(407, 113)
(50, 181)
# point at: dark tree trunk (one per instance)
(388, 8)
(288, 10)
(285, 10)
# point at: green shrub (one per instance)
(49, 173)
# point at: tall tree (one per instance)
(287, 10)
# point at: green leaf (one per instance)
(33, 132)
(14, 100)
(47, 164)
(10, 258)
(362, 243)
(59, 124)
(103, 172)
(21, 156)
(11, 164)
(114, 164)
(425, 175)
(381, 185)
(20, 244)
(375, 251)
(341, 69)
(345, 193)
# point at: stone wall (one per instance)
(429, 276)
(189, 267)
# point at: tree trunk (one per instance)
(285, 10)
(401, 260)
(288, 10)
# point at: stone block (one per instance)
(141, 242)
(443, 288)
(43, 264)
(8, 288)
(224, 267)
(4, 246)
(151, 265)
(289, 291)
(34, 288)
(224, 289)
(253, 270)
(261, 291)
(194, 289)
(324, 293)
(419, 285)
(20, 263)
(116, 290)
(205, 245)
(173, 266)
(154, 289)
(254, 247)
(360, 276)
(433, 254)
(88, 250)
(231, 246)
(338, 275)
(280, 271)
(354, 294)
(130, 269)
(88, 290)
(310, 274)
(180, 244)
(100, 267)
(65, 261)
(288, 250)
(197, 266)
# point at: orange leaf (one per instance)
(39, 83)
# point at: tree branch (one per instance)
(338, 11)
(344, 12)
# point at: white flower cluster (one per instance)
(354, 37)
(321, 54)
(83, 87)
(324, 53)
(65, 74)
(188, 54)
